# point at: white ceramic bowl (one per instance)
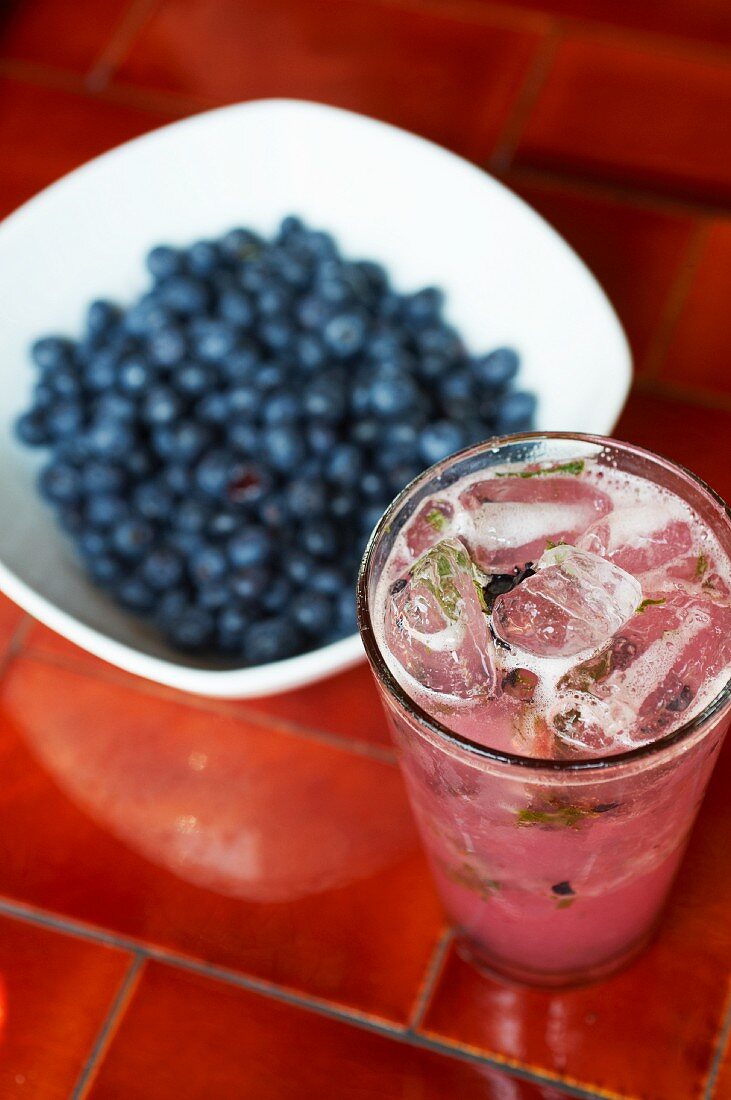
(428, 215)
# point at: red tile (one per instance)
(54, 32)
(668, 1005)
(50, 132)
(250, 848)
(450, 80)
(347, 705)
(648, 117)
(41, 639)
(55, 993)
(689, 434)
(184, 1035)
(11, 617)
(699, 347)
(707, 20)
(634, 252)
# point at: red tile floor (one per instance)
(175, 920)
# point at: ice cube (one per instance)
(574, 601)
(669, 658)
(436, 626)
(642, 537)
(510, 520)
(432, 522)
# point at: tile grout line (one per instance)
(671, 391)
(383, 754)
(526, 99)
(675, 302)
(108, 1029)
(131, 22)
(431, 977)
(349, 1016)
(722, 1043)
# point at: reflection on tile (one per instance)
(668, 1004)
(54, 32)
(241, 845)
(186, 1036)
(632, 114)
(687, 433)
(410, 67)
(11, 617)
(55, 993)
(634, 252)
(699, 347)
(52, 131)
(722, 1090)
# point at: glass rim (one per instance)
(531, 763)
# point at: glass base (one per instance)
(511, 973)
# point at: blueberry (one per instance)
(241, 244)
(105, 509)
(132, 592)
(109, 438)
(305, 499)
(346, 619)
(146, 316)
(345, 464)
(438, 440)
(400, 476)
(367, 431)
(270, 376)
(325, 399)
(272, 511)
(242, 401)
(187, 440)
(425, 306)
(393, 397)
(102, 477)
(162, 569)
(100, 373)
(249, 546)
(401, 441)
(213, 408)
(516, 412)
(310, 351)
(383, 343)
(52, 352)
(153, 500)
(283, 447)
(213, 595)
(190, 627)
(273, 300)
(65, 418)
(249, 483)
(320, 538)
(194, 379)
(297, 565)
(65, 381)
(370, 516)
(457, 393)
(115, 406)
(277, 594)
(441, 339)
(372, 486)
(320, 244)
(270, 639)
(321, 438)
(92, 543)
(496, 370)
(231, 625)
(281, 407)
(213, 340)
(167, 347)
(290, 226)
(202, 258)
(223, 523)
(132, 537)
(135, 375)
(164, 261)
(345, 333)
(191, 516)
(105, 570)
(241, 365)
(342, 505)
(208, 563)
(236, 307)
(326, 579)
(43, 396)
(249, 584)
(161, 406)
(184, 295)
(312, 312)
(313, 612)
(59, 483)
(176, 476)
(243, 437)
(277, 333)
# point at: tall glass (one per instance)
(553, 872)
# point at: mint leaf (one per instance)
(649, 603)
(575, 467)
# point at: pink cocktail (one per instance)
(549, 622)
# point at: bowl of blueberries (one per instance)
(228, 344)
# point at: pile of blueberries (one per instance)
(221, 449)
